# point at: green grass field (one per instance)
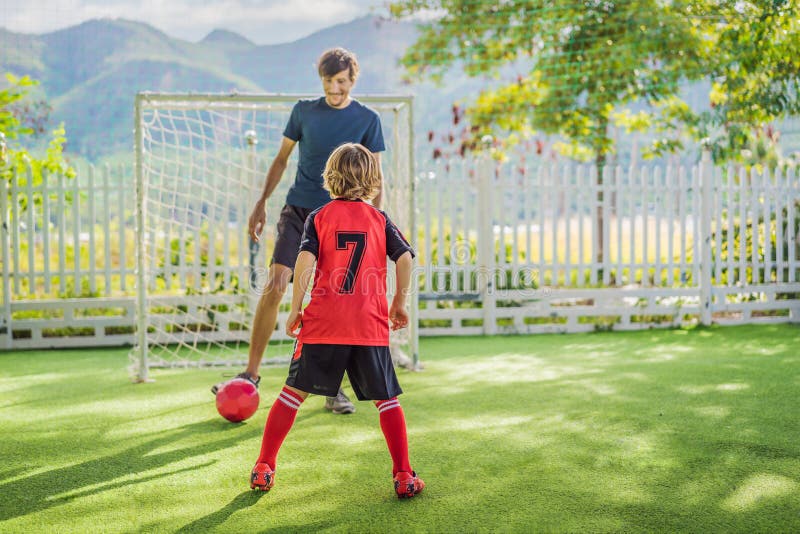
(669, 430)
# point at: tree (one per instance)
(582, 61)
(21, 123)
(754, 66)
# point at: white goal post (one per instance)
(200, 162)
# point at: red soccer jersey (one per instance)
(350, 240)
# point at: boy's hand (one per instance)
(398, 317)
(293, 323)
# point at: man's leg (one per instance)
(339, 404)
(267, 315)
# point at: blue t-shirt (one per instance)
(319, 129)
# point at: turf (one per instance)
(648, 431)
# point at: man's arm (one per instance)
(303, 269)
(378, 200)
(258, 217)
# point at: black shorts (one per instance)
(290, 231)
(319, 369)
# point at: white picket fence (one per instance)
(502, 249)
(668, 234)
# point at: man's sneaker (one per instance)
(406, 485)
(263, 477)
(256, 381)
(339, 404)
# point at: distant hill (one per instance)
(92, 71)
(227, 39)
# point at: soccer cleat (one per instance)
(339, 404)
(263, 477)
(406, 485)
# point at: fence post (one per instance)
(704, 254)
(141, 276)
(413, 328)
(5, 322)
(485, 248)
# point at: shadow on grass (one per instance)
(43, 490)
(139, 480)
(240, 502)
(11, 473)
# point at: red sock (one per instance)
(279, 422)
(393, 424)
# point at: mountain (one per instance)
(291, 67)
(94, 131)
(91, 72)
(226, 39)
(21, 54)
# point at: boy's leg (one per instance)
(372, 376)
(279, 421)
(393, 425)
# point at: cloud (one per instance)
(262, 21)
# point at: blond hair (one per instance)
(352, 172)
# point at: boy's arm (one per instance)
(404, 265)
(397, 312)
(303, 269)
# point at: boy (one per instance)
(345, 327)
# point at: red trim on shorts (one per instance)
(298, 349)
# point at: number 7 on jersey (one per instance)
(358, 240)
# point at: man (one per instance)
(318, 126)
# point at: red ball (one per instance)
(237, 400)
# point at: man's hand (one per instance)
(257, 221)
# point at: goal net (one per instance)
(201, 161)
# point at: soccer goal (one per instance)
(200, 162)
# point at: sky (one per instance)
(261, 21)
